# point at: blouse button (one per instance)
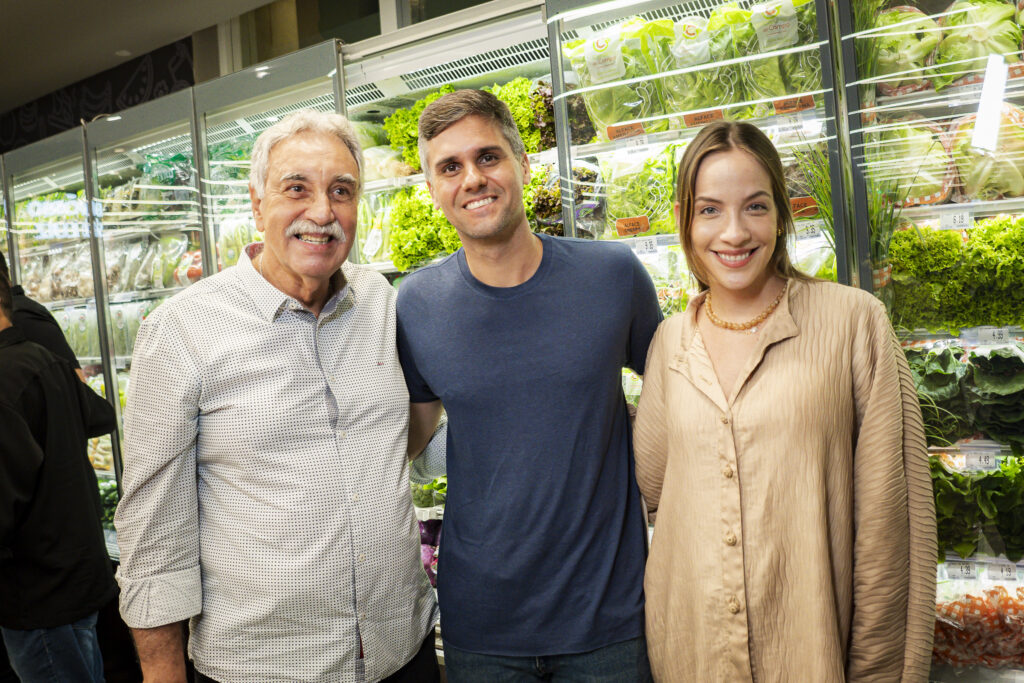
(730, 538)
(725, 420)
(733, 605)
(727, 472)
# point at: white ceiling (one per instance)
(48, 44)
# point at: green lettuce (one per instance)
(618, 103)
(402, 127)
(911, 156)
(939, 377)
(640, 186)
(415, 227)
(973, 30)
(802, 70)
(904, 49)
(691, 44)
(520, 97)
(991, 175)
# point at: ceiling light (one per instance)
(115, 117)
(123, 53)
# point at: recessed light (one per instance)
(123, 53)
(115, 117)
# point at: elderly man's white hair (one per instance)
(300, 122)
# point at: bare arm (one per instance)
(423, 419)
(161, 653)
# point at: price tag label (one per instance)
(955, 220)
(703, 118)
(803, 207)
(646, 245)
(980, 461)
(956, 569)
(793, 104)
(993, 335)
(634, 142)
(1002, 571)
(627, 227)
(624, 130)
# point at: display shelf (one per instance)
(985, 334)
(969, 210)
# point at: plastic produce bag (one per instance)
(971, 31)
(905, 48)
(987, 175)
(622, 52)
(979, 622)
(383, 162)
(911, 154)
(374, 231)
(235, 234)
(189, 269)
(639, 194)
(369, 134)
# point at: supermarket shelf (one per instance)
(983, 208)
(143, 295)
(987, 334)
(950, 103)
(69, 303)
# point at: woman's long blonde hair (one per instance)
(723, 136)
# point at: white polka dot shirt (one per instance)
(266, 491)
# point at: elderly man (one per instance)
(523, 338)
(266, 492)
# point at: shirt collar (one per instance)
(271, 302)
(11, 336)
(780, 325)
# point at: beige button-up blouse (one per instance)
(795, 528)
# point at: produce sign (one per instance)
(990, 175)
(980, 626)
(969, 505)
(910, 154)
(942, 282)
(971, 31)
(904, 45)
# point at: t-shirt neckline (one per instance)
(532, 283)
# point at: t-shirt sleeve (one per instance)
(41, 328)
(646, 316)
(419, 390)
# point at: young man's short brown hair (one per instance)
(445, 112)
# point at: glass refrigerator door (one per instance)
(638, 82)
(52, 255)
(936, 136)
(147, 209)
(233, 111)
(389, 81)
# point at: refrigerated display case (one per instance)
(935, 95)
(650, 75)
(389, 80)
(52, 253)
(231, 113)
(5, 235)
(147, 211)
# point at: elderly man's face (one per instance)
(308, 210)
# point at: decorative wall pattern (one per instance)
(139, 80)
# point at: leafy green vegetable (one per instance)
(369, 134)
(640, 186)
(991, 175)
(802, 70)
(939, 377)
(519, 95)
(416, 228)
(996, 392)
(624, 52)
(402, 127)
(908, 38)
(909, 154)
(973, 30)
(108, 501)
(690, 44)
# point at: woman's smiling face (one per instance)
(733, 232)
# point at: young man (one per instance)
(54, 570)
(266, 491)
(522, 338)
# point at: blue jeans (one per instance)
(60, 654)
(624, 662)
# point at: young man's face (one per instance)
(308, 210)
(477, 181)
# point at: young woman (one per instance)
(779, 442)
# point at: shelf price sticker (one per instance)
(958, 569)
(646, 245)
(635, 142)
(624, 130)
(1001, 571)
(980, 461)
(627, 227)
(993, 335)
(955, 220)
(792, 105)
(703, 118)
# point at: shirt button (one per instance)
(355, 497)
(362, 615)
(730, 538)
(727, 471)
(725, 420)
(341, 434)
(362, 557)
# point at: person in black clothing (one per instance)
(38, 324)
(54, 570)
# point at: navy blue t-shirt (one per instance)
(543, 548)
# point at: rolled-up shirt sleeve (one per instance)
(157, 520)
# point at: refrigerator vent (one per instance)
(363, 94)
(259, 122)
(478, 65)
